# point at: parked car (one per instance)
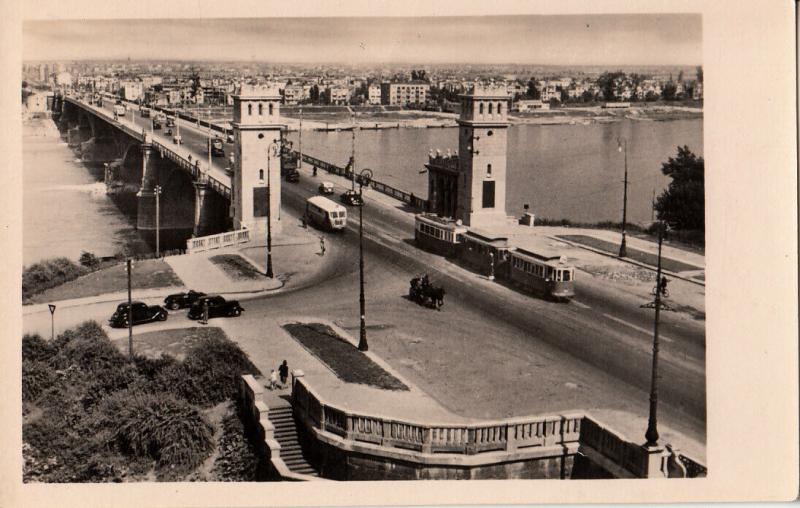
(142, 313)
(182, 300)
(326, 188)
(217, 307)
(351, 198)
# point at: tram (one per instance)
(326, 213)
(486, 253)
(542, 272)
(439, 235)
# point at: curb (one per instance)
(628, 260)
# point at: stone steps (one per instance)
(286, 434)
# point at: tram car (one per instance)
(486, 253)
(325, 213)
(543, 272)
(438, 235)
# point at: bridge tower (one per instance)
(482, 160)
(257, 132)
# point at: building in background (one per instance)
(405, 93)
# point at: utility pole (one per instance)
(652, 422)
(353, 157)
(653, 208)
(622, 249)
(158, 223)
(130, 310)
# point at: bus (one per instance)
(437, 234)
(543, 272)
(325, 213)
(145, 112)
(119, 110)
(216, 147)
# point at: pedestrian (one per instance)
(205, 312)
(315, 170)
(273, 380)
(664, 285)
(305, 221)
(322, 245)
(284, 372)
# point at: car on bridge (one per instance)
(217, 307)
(216, 147)
(170, 121)
(182, 300)
(352, 198)
(145, 112)
(292, 175)
(141, 313)
(326, 188)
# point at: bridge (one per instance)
(141, 158)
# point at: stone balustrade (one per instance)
(227, 239)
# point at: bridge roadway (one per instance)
(603, 338)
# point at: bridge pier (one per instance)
(146, 209)
(201, 209)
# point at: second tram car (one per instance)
(325, 213)
(437, 234)
(486, 253)
(544, 273)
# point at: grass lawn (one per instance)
(176, 342)
(236, 267)
(637, 255)
(345, 360)
(147, 274)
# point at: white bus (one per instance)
(119, 110)
(325, 213)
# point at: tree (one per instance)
(533, 91)
(682, 204)
(668, 92)
(607, 82)
(699, 73)
(314, 94)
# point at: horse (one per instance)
(436, 295)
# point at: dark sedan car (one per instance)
(351, 198)
(182, 300)
(217, 307)
(142, 313)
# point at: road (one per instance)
(489, 333)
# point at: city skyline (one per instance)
(629, 39)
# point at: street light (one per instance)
(363, 179)
(158, 223)
(652, 422)
(622, 250)
(52, 321)
(272, 150)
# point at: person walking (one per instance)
(273, 380)
(321, 245)
(283, 370)
(205, 312)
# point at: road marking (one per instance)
(581, 305)
(639, 328)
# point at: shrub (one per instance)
(89, 260)
(163, 428)
(37, 377)
(35, 348)
(47, 274)
(216, 364)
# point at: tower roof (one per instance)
(258, 92)
(479, 91)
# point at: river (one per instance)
(65, 210)
(562, 171)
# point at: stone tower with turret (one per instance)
(482, 157)
(257, 162)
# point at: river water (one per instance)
(562, 171)
(65, 210)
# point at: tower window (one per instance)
(480, 108)
(270, 109)
(490, 133)
(249, 109)
(489, 169)
(488, 195)
(261, 174)
(490, 108)
(260, 109)
(499, 108)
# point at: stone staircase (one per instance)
(286, 434)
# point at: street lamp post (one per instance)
(130, 309)
(52, 321)
(363, 179)
(271, 151)
(300, 142)
(652, 422)
(158, 221)
(622, 248)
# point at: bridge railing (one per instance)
(401, 195)
(227, 239)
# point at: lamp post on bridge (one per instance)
(363, 179)
(652, 421)
(158, 221)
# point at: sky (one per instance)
(629, 39)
